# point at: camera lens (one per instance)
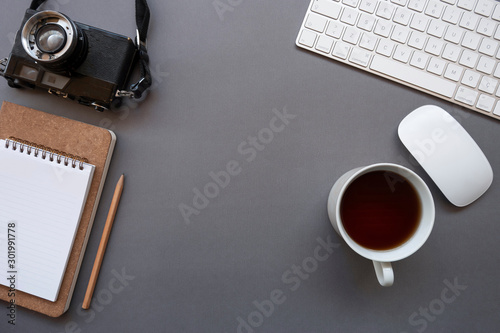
(54, 41)
(50, 38)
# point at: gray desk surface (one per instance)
(217, 80)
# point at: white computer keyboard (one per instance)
(447, 48)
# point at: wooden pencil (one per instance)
(104, 242)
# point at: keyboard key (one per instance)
(327, 8)
(351, 35)
(488, 47)
(434, 9)
(452, 15)
(368, 6)
(436, 66)
(485, 102)
(351, 3)
(366, 22)
(453, 34)
(496, 13)
(385, 10)
(419, 22)
(497, 71)
(385, 47)
(470, 78)
(316, 22)
(402, 16)
(349, 16)
(466, 4)
(488, 85)
(400, 34)
(335, 29)
(453, 72)
(324, 44)
(341, 50)
(402, 53)
(497, 33)
(399, 2)
(466, 96)
(486, 27)
(486, 65)
(417, 5)
(468, 59)
(307, 38)
(368, 41)
(437, 28)
(419, 59)
(360, 57)
(471, 40)
(497, 109)
(383, 28)
(484, 7)
(469, 21)
(451, 52)
(417, 40)
(434, 46)
(413, 76)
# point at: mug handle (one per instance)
(384, 272)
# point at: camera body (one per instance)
(70, 59)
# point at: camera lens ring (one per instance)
(63, 51)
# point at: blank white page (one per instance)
(44, 200)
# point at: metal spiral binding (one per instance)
(43, 153)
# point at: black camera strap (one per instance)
(142, 16)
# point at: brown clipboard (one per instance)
(73, 137)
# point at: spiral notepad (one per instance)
(42, 197)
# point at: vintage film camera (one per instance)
(75, 60)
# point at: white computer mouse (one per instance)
(447, 153)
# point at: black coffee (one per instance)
(380, 210)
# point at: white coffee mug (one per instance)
(382, 258)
